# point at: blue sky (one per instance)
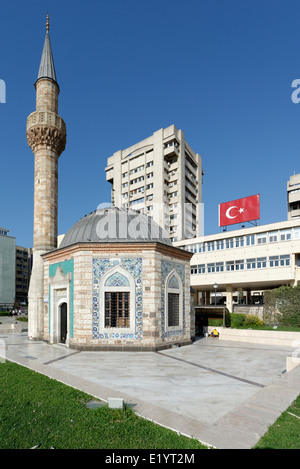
(220, 70)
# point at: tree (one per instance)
(282, 306)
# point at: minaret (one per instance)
(46, 136)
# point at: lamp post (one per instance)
(215, 288)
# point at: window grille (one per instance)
(117, 309)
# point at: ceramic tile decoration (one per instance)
(134, 267)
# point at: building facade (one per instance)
(7, 268)
(293, 197)
(162, 177)
(245, 262)
(23, 271)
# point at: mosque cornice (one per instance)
(117, 248)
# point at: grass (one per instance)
(38, 411)
(285, 432)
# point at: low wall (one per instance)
(288, 339)
(10, 328)
(257, 310)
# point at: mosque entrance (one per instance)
(63, 323)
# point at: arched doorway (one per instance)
(63, 322)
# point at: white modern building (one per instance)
(244, 262)
(160, 176)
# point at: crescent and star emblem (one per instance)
(230, 208)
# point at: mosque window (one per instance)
(173, 309)
(117, 309)
(174, 301)
(117, 303)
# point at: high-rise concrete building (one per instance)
(7, 268)
(293, 197)
(46, 136)
(162, 177)
(23, 269)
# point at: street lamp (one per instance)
(215, 288)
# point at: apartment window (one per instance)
(285, 235)
(150, 163)
(239, 242)
(124, 175)
(250, 240)
(261, 238)
(149, 186)
(149, 175)
(239, 265)
(296, 233)
(273, 237)
(280, 261)
(210, 246)
(138, 201)
(229, 265)
(134, 181)
(125, 185)
(210, 268)
(229, 243)
(251, 263)
(220, 245)
(201, 247)
(261, 262)
(274, 261)
(219, 266)
(198, 269)
(136, 170)
(285, 260)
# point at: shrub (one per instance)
(215, 322)
(237, 320)
(253, 320)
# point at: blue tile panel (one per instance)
(133, 266)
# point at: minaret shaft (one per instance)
(46, 136)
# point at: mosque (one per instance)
(115, 281)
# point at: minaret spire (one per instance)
(47, 69)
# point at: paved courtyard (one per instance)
(223, 393)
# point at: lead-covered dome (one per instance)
(115, 225)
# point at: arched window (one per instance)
(118, 299)
(173, 301)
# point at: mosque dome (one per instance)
(115, 225)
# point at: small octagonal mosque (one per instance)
(116, 282)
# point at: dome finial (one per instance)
(47, 24)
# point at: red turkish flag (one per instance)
(239, 211)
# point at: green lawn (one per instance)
(285, 432)
(36, 410)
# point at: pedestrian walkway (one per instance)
(224, 394)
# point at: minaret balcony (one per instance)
(46, 118)
(46, 128)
